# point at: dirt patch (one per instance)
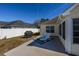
(8, 44)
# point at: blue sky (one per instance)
(30, 12)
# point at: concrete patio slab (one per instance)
(24, 50)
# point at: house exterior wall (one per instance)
(74, 13)
(70, 47)
(57, 29)
(13, 32)
(75, 49)
(43, 29)
(67, 42)
(69, 35)
(61, 39)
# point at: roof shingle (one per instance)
(53, 21)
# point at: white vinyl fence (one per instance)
(13, 32)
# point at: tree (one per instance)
(43, 20)
(38, 22)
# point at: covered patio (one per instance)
(54, 45)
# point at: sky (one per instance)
(30, 12)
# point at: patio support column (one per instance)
(69, 35)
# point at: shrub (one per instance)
(28, 34)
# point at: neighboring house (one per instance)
(66, 27)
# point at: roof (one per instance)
(66, 12)
(53, 21)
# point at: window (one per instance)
(76, 33)
(76, 21)
(50, 29)
(76, 40)
(60, 29)
(76, 30)
(76, 27)
(63, 29)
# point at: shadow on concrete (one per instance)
(53, 44)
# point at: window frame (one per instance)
(50, 29)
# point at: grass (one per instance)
(8, 44)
